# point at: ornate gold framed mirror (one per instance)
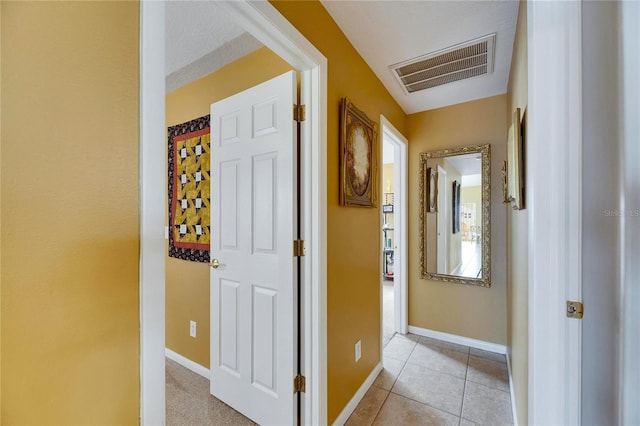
(455, 215)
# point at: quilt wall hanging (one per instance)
(189, 183)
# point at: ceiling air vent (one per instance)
(455, 63)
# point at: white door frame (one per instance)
(629, 374)
(265, 23)
(399, 142)
(554, 201)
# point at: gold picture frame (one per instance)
(358, 157)
(515, 164)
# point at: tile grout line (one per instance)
(464, 388)
(420, 402)
(406, 362)
(438, 371)
(392, 384)
(487, 386)
(484, 384)
(424, 403)
(380, 408)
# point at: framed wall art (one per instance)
(455, 207)
(189, 146)
(358, 156)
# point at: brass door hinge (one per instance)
(299, 384)
(299, 249)
(299, 113)
(574, 309)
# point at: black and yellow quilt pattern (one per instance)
(189, 189)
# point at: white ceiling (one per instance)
(467, 164)
(194, 29)
(389, 32)
(383, 32)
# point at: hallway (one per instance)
(427, 381)
(430, 382)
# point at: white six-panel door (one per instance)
(253, 311)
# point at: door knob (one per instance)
(215, 263)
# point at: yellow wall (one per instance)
(0, 216)
(464, 310)
(187, 283)
(353, 234)
(517, 241)
(70, 339)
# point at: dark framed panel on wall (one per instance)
(455, 207)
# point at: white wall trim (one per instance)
(629, 374)
(400, 144)
(460, 340)
(514, 411)
(187, 363)
(268, 26)
(353, 403)
(554, 200)
(152, 205)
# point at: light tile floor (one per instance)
(430, 382)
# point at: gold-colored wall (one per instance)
(70, 236)
(0, 214)
(353, 234)
(517, 241)
(464, 310)
(187, 283)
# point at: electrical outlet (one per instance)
(358, 350)
(192, 328)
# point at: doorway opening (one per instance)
(264, 23)
(394, 232)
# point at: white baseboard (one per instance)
(187, 363)
(461, 340)
(351, 406)
(513, 394)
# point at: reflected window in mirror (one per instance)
(455, 188)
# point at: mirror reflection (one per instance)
(455, 188)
